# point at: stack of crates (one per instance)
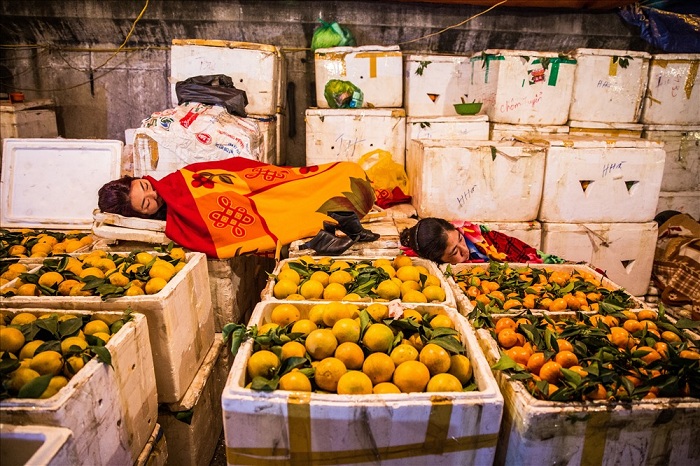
(671, 114)
(376, 123)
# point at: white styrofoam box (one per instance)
(609, 85)
(673, 91)
(465, 306)
(376, 70)
(605, 130)
(155, 453)
(268, 295)
(624, 251)
(522, 87)
(29, 119)
(414, 428)
(434, 83)
(110, 410)
(594, 180)
(491, 181)
(687, 202)
(341, 135)
(501, 131)
(53, 183)
(270, 127)
(36, 445)
(682, 146)
(194, 442)
(451, 127)
(551, 432)
(180, 322)
(258, 69)
(528, 232)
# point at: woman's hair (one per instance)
(113, 198)
(427, 238)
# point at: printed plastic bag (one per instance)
(388, 178)
(213, 89)
(343, 94)
(331, 35)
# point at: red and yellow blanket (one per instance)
(238, 206)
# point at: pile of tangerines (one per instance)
(338, 347)
(499, 287)
(44, 243)
(624, 355)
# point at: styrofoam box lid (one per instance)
(364, 48)
(40, 443)
(601, 125)
(436, 58)
(681, 128)
(609, 52)
(676, 56)
(476, 144)
(448, 119)
(516, 53)
(581, 142)
(530, 128)
(355, 112)
(53, 183)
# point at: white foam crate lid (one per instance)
(632, 433)
(434, 83)
(267, 292)
(180, 322)
(257, 69)
(36, 445)
(447, 127)
(673, 91)
(339, 135)
(682, 146)
(605, 130)
(110, 410)
(609, 85)
(375, 69)
(593, 180)
(625, 251)
(522, 86)
(432, 428)
(483, 181)
(53, 183)
(498, 131)
(465, 307)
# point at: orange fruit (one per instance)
(285, 314)
(518, 354)
(321, 343)
(507, 338)
(461, 367)
(620, 337)
(354, 383)
(566, 359)
(411, 376)
(404, 352)
(564, 345)
(505, 322)
(444, 383)
(558, 304)
(632, 325)
(292, 349)
(379, 367)
(378, 338)
(550, 371)
(328, 372)
(351, 354)
(347, 330)
(384, 388)
(263, 363)
(435, 358)
(295, 381)
(535, 362)
(646, 314)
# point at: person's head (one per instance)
(130, 197)
(436, 239)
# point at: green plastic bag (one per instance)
(331, 35)
(343, 94)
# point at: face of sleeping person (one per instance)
(456, 251)
(143, 197)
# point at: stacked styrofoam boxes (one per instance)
(258, 69)
(347, 134)
(48, 446)
(416, 428)
(502, 131)
(111, 411)
(180, 322)
(598, 202)
(481, 181)
(193, 425)
(671, 114)
(609, 86)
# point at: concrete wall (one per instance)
(66, 49)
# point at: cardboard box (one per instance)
(673, 92)
(480, 181)
(315, 428)
(110, 410)
(609, 85)
(376, 70)
(180, 322)
(434, 83)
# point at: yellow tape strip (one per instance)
(612, 68)
(690, 80)
(607, 132)
(299, 427)
(438, 425)
(594, 439)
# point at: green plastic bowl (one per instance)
(468, 109)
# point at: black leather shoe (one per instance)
(349, 223)
(325, 243)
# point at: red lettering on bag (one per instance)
(188, 119)
(204, 138)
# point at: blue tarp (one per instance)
(670, 25)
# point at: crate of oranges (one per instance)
(359, 279)
(498, 287)
(622, 385)
(57, 370)
(355, 382)
(171, 289)
(27, 242)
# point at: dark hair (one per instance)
(113, 198)
(428, 238)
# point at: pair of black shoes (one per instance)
(327, 243)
